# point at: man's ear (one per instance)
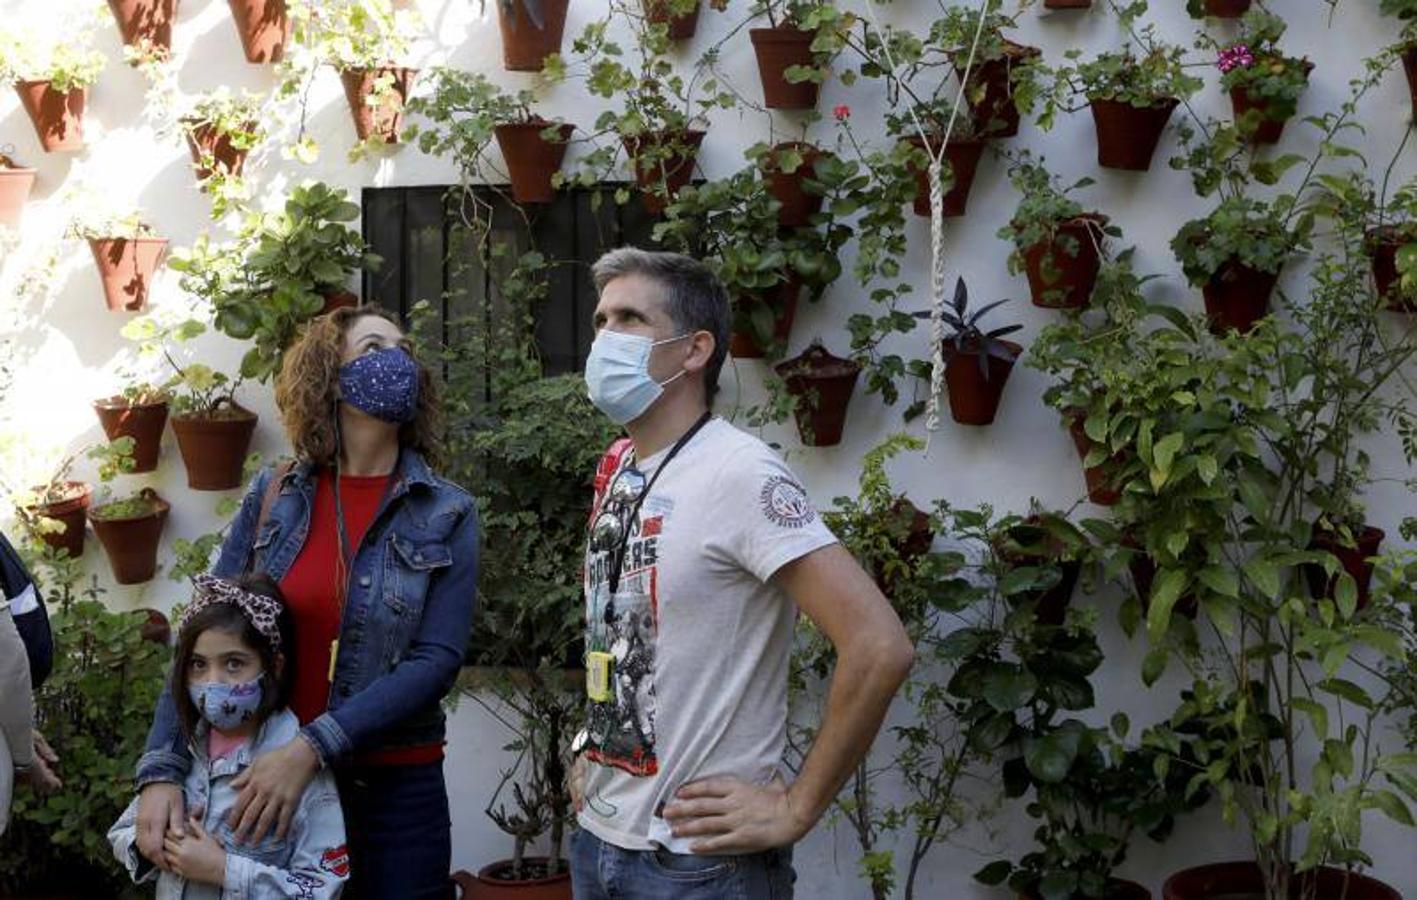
(701, 347)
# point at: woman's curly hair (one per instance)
(307, 389)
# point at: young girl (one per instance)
(230, 681)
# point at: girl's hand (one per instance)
(270, 791)
(159, 811)
(196, 856)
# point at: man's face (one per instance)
(632, 304)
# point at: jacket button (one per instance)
(364, 581)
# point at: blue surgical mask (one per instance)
(383, 384)
(226, 706)
(617, 374)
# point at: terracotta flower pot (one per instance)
(145, 21)
(384, 120)
(1062, 271)
(912, 541)
(661, 177)
(214, 449)
(798, 206)
(1243, 879)
(1117, 888)
(337, 298)
(531, 159)
(1271, 128)
(143, 423)
(525, 44)
(155, 628)
(823, 385)
(72, 511)
(1127, 135)
(204, 139)
(15, 186)
(1356, 561)
(681, 28)
(126, 267)
(1382, 244)
(58, 117)
(783, 299)
(1237, 297)
(974, 399)
(494, 882)
(1099, 488)
(777, 50)
(130, 542)
(1143, 571)
(995, 112)
(962, 156)
(1067, 4)
(264, 28)
(1226, 9)
(1409, 68)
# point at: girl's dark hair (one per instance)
(229, 618)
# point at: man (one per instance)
(702, 547)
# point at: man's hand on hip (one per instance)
(733, 816)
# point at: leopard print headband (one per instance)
(259, 610)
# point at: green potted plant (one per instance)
(1264, 84)
(680, 18)
(263, 27)
(16, 181)
(822, 385)
(790, 169)
(795, 50)
(138, 412)
(1056, 243)
(1389, 237)
(55, 511)
(145, 23)
(129, 527)
(466, 111)
(52, 80)
(127, 252)
(1000, 78)
(977, 362)
(531, 31)
(221, 128)
(1234, 254)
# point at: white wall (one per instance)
(68, 347)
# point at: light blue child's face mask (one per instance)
(617, 374)
(227, 706)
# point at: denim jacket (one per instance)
(311, 862)
(406, 621)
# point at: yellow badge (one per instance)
(598, 665)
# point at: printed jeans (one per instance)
(601, 871)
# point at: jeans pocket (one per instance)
(681, 867)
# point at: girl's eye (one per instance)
(198, 665)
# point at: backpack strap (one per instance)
(609, 465)
(268, 500)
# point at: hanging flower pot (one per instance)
(69, 508)
(976, 388)
(1227, 9)
(1271, 126)
(337, 298)
(155, 628)
(1237, 297)
(1127, 135)
(143, 422)
(1143, 571)
(1382, 245)
(58, 116)
(15, 185)
(214, 447)
(789, 188)
(1246, 879)
(527, 41)
(531, 158)
(823, 385)
(782, 300)
(126, 267)
(1050, 604)
(681, 27)
(961, 158)
(204, 140)
(1099, 487)
(264, 28)
(991, 92)
(376, 98)
(779, 49)
(910, 537)
(1067, 4)
(1355, 560)
(145, 22)
(663, 162)
(1409, 68)
(129, 531)
(1063, 270)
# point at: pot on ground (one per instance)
(525, 42)
(531, 159)
(145, 21)
(1355, 560)
(663, 162)
(782, 300)
(681, 27)
(383, 119)
(962, 158)
(975, 392)
(15, 186)
(1127, 135)
(1229, 880)
(823, 385)
(1237, 297)
(143, 422)
(493, 882)
(130, 540)
(1062, 270)
(58, 116)
(70, 509)
(798, 205)
(995, 113)
(126, 266)
(214, 448)
(203, 139)
(264, 28)
(777, 50)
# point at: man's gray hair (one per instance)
(693, 296)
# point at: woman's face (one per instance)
(367, 334)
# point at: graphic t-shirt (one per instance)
(699, 635)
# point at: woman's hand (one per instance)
(196, 856)
(159, 809)
(270, 791)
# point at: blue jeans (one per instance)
(399, 831)
(601, 871)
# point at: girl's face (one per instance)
(369, 333)
(220, 656)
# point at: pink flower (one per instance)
(1236, 57)
(842, 112)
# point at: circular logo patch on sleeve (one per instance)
(785, 503)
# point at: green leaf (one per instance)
(1207, 468)
(1347, 690)
(1050, 757)
(1316, 712)
(1165, 451)
(1165, 591)
(1264, 575)
(1392, 805)
(994, 873)
(1220, 579)
(1154, 665)
(1007, 686)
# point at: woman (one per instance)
(380, 576)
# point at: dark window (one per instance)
(429, 254)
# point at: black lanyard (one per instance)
(617, 557)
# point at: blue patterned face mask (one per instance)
(226, 706)
(383, 384)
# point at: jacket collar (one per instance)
(411, 469)
(279, 729)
